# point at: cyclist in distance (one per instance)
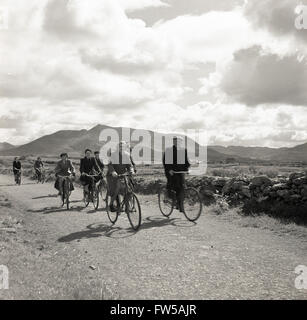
(16, 168)
(38, 167)
(175, 159)
(63, 168)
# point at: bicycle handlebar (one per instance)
(64, 176)
(177, 172)
(124, 175)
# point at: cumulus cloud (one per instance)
(84, 62)
(257, 77)
(277, 17)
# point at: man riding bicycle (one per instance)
(64, 168)
(16, 168)
(90, 171)
(120, 163)
(175, 159)
(38, 167)
(99, 164)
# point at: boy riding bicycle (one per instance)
(64, 168)
(90, 170)
(120, 163)
(38, 167)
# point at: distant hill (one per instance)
(6, 146)
(294, 154)
(76, 141)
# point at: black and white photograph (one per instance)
(153, 150)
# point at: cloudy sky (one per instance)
(232, 67)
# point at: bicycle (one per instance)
(130, 205)
(18, 177)
(93, 194)
(66, 190)
(191, 202)
(40, 176)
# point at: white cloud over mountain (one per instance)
(74, 63)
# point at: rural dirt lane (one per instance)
(165, 259)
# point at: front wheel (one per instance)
(111, 215)
(192, 204)
(166, 202)
(133, 210)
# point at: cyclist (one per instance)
(176, 159)
(16, 168)
(120, 163)
(131, 159)
(38, 167)
(88, 166)
(99, 164)
(63, 168)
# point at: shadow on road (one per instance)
(98, 230)
(43, 197)
(157, 222)
(55, 209)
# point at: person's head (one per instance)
(122, 146)
(39, 159)
(16, 159)
(97, 153)
(88, 153)
(64, 156)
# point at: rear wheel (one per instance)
(166, 202)
(86, 199)
(111, 215)
(192, 205)
(67, 198)
(95, 199)
(133, 210)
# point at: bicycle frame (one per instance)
(127, 193)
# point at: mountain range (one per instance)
(76, 141)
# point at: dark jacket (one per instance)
(176, 160)
(99, 164)
(16, 165)
(64, 168)
(38, 164)
(88, 166)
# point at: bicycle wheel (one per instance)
(133, 210)
(192, 205)
(166, 203)
(111, 215)
(95, 198)
(86, 199)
